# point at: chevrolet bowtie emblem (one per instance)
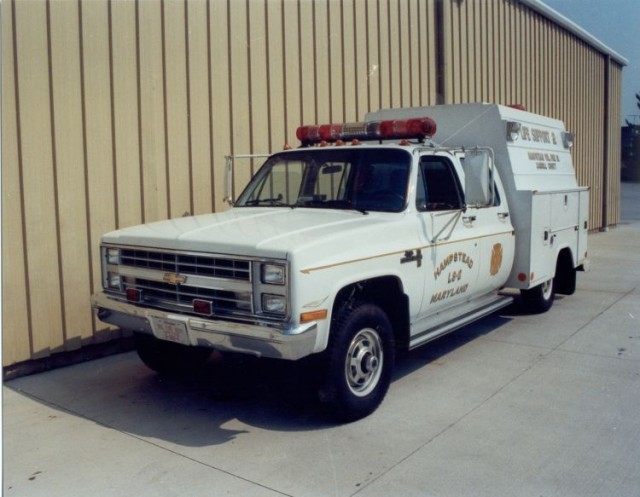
(174, 279)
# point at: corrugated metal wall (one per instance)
(121, 112)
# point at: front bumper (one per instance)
(259, 340)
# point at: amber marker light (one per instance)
(307, 317)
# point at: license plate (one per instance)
(173, 331)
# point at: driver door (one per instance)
(452, 248)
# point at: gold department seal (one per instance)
(496, 259)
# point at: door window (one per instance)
(438, 186)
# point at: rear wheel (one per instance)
(539, 298)
(167, 357)
(359, 362)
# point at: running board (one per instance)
(456, 317)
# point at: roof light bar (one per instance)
(418, 128)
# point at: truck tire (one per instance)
(169, 358)
(359, 362)
(539, 298)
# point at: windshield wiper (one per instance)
(271, 201)
(350, 205)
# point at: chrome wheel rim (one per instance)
(363, 365)
(547, 288)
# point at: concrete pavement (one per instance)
(514, 405)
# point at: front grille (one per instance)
(181, 296)
(186, 264)
(223, 281)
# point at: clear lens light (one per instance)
(113, 256)
(113, 281)
(567, 139)
(276, 304)
(273, 274)
(513, 130)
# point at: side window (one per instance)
(438, 186)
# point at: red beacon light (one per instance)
(403, 129)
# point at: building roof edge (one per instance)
(572, 27)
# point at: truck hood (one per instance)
(258, 232)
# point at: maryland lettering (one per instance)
(451, 292)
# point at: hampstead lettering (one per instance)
(450, 259)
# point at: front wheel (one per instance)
(359, 362)
(539, 298)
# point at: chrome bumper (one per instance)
(263, 341)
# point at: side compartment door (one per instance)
(451, 246)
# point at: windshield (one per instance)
(337, 178)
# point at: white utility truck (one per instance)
(369, 238)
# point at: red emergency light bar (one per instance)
(417, 128)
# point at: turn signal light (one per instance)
(307, 317)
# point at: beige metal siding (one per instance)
(117, 112)
(550, 71)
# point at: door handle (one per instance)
(468, 219)
(503, 215)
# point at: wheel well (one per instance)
(565, 279)
(387, 293)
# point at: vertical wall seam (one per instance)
(413, 61)
(187, 68)
(284, 71)
(210, 108)
(300, 76)
(85, 157)
(355, 62)
(343, 77)
(389, 54)
(139, 109)
(329, 62)
(268, 63)
(56, 190)
(16, 84)
(402, 56)
(379, 28)
(605, 144)
(230, 93)
(314, 34)
(249, 84)
(439, 51)
(165, 111)
(368, 55)
(114, 157)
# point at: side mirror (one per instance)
(478, 178)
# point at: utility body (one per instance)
(369, 238)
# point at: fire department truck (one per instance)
(370, 238)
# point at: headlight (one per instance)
(113, 255)
(273, 274)
(113, 281)
(274, 304)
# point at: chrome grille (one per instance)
(223, 281)
(182, 296)
(201, 265)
